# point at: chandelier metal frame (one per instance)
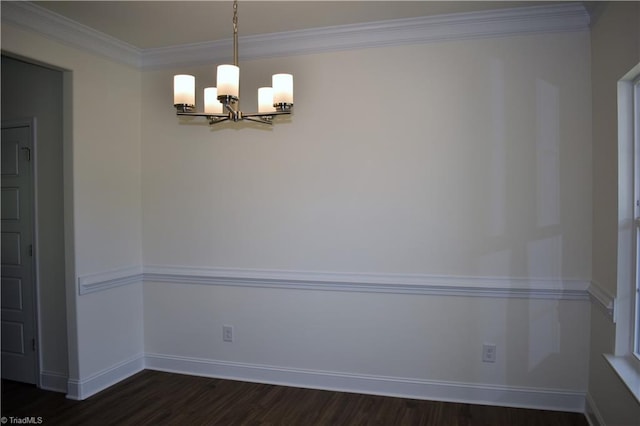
(231, 104)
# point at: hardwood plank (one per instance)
(158, 398)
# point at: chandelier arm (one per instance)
(229, 107)
(216, 120)
(244, 115)
(203, 114)
(265, 114)
(262, 120)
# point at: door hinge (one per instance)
(27, 152)
(31, 250)
(33, 344)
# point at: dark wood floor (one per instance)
(156, 398)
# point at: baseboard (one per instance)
(474, 393)
(592, 413)
(82, 389)
(52, 381)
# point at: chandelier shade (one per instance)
(265, 99)
(211, 103)
(184, 87)
(282, 88)
(221, 103)
(228, 80)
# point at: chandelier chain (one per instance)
(235, 16)
(235, 32)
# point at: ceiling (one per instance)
(149, 24)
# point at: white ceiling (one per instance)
(148, 24)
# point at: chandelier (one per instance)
(221, 103)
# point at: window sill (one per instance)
(629, 372)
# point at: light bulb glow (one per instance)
(228, 80)
(282, 88)
(211, 103)
(265, 99)
(184, 89)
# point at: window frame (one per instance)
(626, 358)
(634, 327)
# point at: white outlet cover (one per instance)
(227, 333)
(488, 352)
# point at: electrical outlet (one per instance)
(488, 352)
(227, 333)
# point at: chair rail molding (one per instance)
(602, 299)
(92, 283)
(420, 284)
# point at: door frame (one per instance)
(54, 382)
(32, 124)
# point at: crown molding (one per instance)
(427, 29)
(52, 25)
(459, 26)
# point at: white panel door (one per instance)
(17, 298)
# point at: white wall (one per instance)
(397, 342)
(472, 160)
(615, 49)
(457, 159)
(102, 162)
